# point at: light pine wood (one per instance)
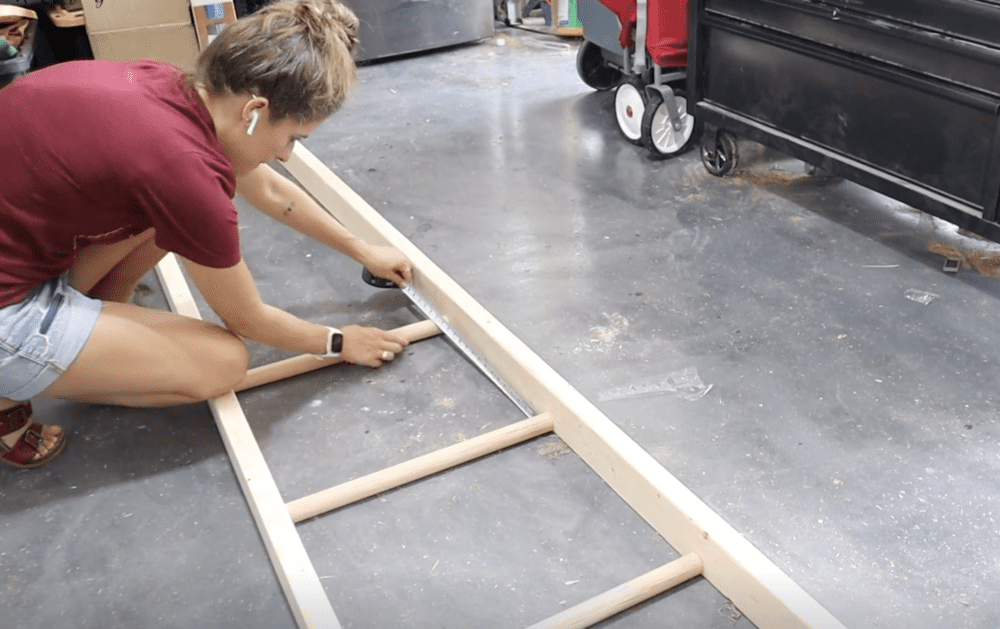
(7, 10)
(305, 363)
(758, 588)
(303, 589)
(420, 467)
(626, 595)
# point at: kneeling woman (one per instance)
(110, 165)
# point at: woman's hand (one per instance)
(370, 347)
(388, 263)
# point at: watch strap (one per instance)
(334, 343)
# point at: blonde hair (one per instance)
(295, 53)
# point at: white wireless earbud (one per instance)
(254, 117)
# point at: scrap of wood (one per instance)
(759, 589)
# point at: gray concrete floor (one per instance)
(843, 424)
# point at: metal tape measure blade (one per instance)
(474, 358)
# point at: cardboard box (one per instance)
(113, 15)
(210, 17)
(174, 43)
(143, 29)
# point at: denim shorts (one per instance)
(42, 336)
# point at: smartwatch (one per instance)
(334, 344)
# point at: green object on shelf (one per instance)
(567, 14)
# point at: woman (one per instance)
(110, 165)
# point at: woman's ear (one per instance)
(252, 110)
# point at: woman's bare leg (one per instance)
(111, 273)
(142, 357)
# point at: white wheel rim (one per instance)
(629, 108)
(665, 138)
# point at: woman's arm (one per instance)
(286, 202)
(234, 297)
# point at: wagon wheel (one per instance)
(659, 134)
(592, 69)
(630, 104)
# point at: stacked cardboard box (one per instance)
(140, 29)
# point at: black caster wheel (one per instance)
(592, 69)
(630, 105)
(658, 132)
(720, 154)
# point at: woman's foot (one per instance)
(25, 444)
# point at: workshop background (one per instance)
(810, 356)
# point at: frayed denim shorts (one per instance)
(42, 336)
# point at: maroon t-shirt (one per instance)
(97, 151)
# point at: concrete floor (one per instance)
(838, 409)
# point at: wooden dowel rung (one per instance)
(617, 600)
(420, 467)
(307, 362)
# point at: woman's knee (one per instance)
(218, 369)
(231, 364)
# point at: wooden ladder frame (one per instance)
(707, 544)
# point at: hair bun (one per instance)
(326, 18)
(349, 23)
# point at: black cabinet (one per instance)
(902, 96)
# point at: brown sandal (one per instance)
(23, 453)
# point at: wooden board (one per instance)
(309, 603)
(758, 588)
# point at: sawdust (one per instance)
(986, 263)
(447, 402)
(554, 450)
(974, 236)
(941, 249)
(605, 337)
(616, 325)
(770, 177)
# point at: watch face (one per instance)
(336, 343)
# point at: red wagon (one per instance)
(650, 101)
